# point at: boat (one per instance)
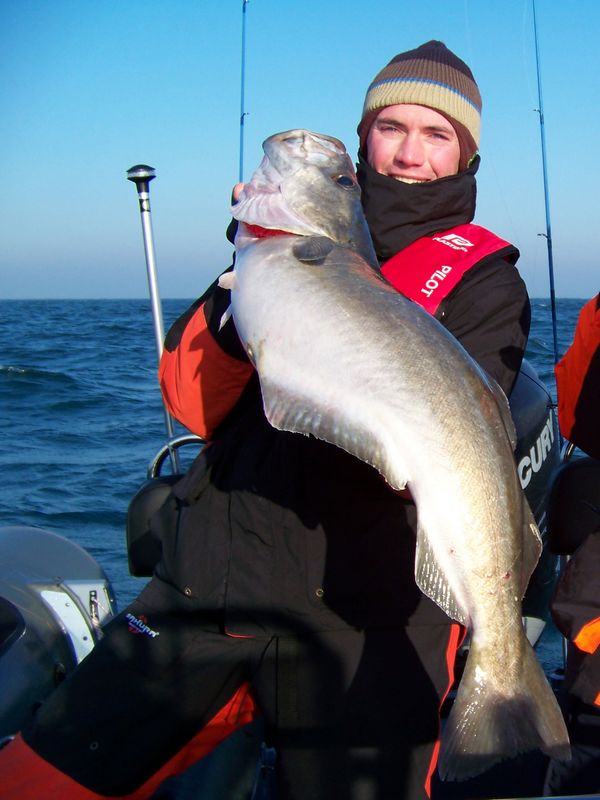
(54, 600)
(55, 597)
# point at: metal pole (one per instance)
(548, 234)
(242, 91)
(141, 175)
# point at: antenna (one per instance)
(141, 175)
(548, 234)
(242, 91)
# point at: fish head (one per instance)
(306, 185)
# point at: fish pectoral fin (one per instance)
(431, 579)
(225, 317)
(312, 249)
(226, 280)
(532, 545)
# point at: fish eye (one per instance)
(345, 181)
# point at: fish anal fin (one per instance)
(532, 545)
(432, 581)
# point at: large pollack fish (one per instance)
(342, 356)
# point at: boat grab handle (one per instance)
(165, 451)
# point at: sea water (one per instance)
(82, 417)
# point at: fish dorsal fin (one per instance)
(312, 249)
(431, 580)
(532, 545)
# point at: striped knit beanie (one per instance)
(432, 76)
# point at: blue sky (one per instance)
(89, 89)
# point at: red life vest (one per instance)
(432, 266)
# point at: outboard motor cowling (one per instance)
(54, 598)
(537, 456)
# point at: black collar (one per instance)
(399, 213)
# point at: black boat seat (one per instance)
(145, 526)
(573, 504)
(144, 547)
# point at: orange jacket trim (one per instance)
(26, 776)
(200, 382)
(457, 635)
(588, 638)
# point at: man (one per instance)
(575, 606)
(292, 566)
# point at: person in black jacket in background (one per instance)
(575, 606)
(292, 566)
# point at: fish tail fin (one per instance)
(492, 721)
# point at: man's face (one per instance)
(413, 144)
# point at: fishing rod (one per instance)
(548, 234)
(567, 452)
(243, 113)
(141, 175)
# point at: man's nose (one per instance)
(410, 150)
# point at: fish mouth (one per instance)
(302, 175)
(262, 203)
(258, 232)
(302, 145)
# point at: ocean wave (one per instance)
(37, 374)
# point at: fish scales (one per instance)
(342, 356)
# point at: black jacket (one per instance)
(576, 610)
